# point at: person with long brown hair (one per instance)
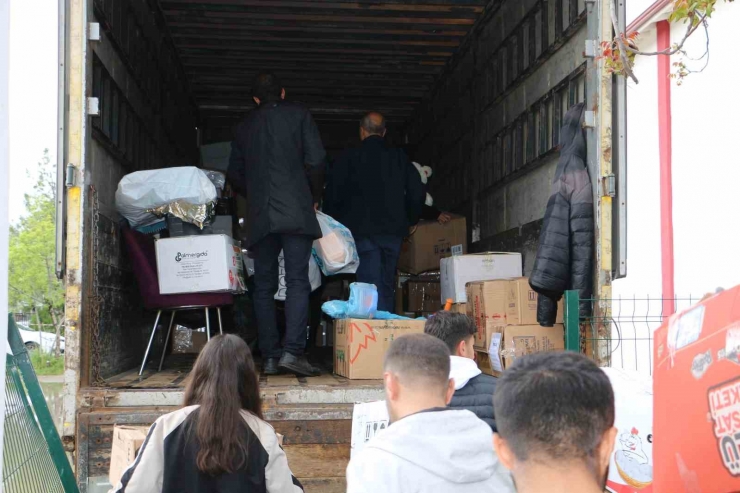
(218, 442)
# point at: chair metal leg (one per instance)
(151, 339)
(220, 325)
(208, 326)
(167, 339)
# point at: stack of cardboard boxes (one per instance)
(505, 315)
(419, 263)
(434, 268)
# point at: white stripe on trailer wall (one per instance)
(4, 224)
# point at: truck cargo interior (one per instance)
(474, 89)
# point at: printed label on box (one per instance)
(494, 351)
(724, 402)
(732, 344)
(686, 329)
(368, 419)
(457, 250)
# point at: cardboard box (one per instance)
(509, 342)
(631, 467)
(421, 294)
(125, 445)
(521, 303)
(696, 385)
(187, 341)
(459, 308)
(360, 345)
(431, 242)
(456, 272)
(487, 307)
(199, 264)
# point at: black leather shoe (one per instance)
(270, 366)
(298, 365)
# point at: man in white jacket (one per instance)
(427, 448)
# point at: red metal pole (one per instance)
(666, 180)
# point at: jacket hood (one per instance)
(458, 450)
(572, 139)
(463, 370)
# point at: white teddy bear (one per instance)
(425, 172)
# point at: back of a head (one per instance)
(554, 407)
(223, 382)
(451, 328)
(373, 123)
(421, 362)
(267, 87)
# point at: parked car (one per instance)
(46, 341)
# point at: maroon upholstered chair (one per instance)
(144, 264)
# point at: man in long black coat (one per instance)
(565, 255)
(277, 163)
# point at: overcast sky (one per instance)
(33, 93)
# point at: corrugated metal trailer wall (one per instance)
(491, 128)
(147, 120)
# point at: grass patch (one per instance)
(46, 363)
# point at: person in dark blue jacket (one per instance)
(473, 388)
(377, 193)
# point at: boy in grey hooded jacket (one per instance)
(427, 447)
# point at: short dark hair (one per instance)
(371, 126)
(267, 87)
(451, 328)
(554, 406)
(419, 359)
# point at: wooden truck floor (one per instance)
(313, 414)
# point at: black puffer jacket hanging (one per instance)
(565, 255)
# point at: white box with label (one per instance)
(456, 272)
(199, 264)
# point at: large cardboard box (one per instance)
(506, 343)
(456, 272)
(521, 303)
(431, 242)
(199, 264)
(126, 442)
(696, 385)
(360, 345)
(422, 294)
(487, 307)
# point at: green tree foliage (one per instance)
(33, 285)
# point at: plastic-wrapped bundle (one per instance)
(144, 197)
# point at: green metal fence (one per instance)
(33, 456)
(619, 331)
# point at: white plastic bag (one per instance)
(143, 190)
(314, 274)
(335, 251)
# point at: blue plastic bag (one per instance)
(363, 304)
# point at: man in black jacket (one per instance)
(273, 148)
(377, 193)
(473, 389)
